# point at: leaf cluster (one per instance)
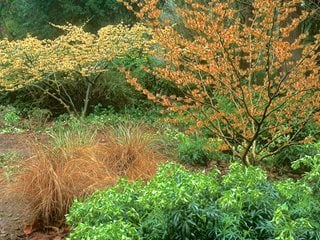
(179, 204)
(198, 150)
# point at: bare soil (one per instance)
(11, 211)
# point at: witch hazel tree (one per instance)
(245, 72)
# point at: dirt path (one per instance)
(11, 212)
(20, 142)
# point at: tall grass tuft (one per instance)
(51, 179)
(133, 151)
(75, 134)
(71, 167)
(65, 168)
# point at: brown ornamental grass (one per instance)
(56, 174)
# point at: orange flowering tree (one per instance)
(76, 56)
(243, 77)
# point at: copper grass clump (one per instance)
(133, 151)
(50, 180)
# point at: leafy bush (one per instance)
(71, 75)
(179, 204)
(10, 119)
(140, 205)
(293, 153)
(296, 214)
(13, 118)
(197, 150)
(312, 176)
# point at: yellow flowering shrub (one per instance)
(76, 55)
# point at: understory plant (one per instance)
(248, 73)
(180, 204)
(10, 119)
(74, 163)
(198, 150)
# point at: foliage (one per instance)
(19, 18)
(295, 152)
(16, 120)
(102, 118)
(112, 89)
(37, 118)
(197, 150)
(251, 79)
(294, 217)
(309, 147)
(313, 175)
(179, 204)
(75, 60)
(9, 119)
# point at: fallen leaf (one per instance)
(52, 230)
(28, 229)
(56, 238)
(39, 236)
(66, 229)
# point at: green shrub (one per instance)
(197, 150)
(179, 204)
(37, 118)
(294, 153)
(10, 116)
(10, 119)
(16, 119)
(313, 175)
(297, 212)
(288, 155)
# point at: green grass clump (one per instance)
(72, 133)
(179, 204)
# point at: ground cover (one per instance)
(101, 151)
(42, 172)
